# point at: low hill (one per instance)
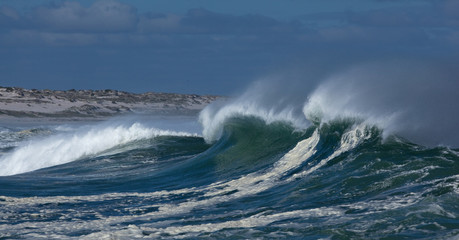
(20, 102)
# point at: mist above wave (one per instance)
(262, 99)
(415, 100)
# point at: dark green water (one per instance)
(129, 181)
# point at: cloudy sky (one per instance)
(212, 46)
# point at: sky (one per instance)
(213, 46)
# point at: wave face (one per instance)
(262, 175)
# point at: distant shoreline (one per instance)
(20, 103)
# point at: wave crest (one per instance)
(64, 148)
(258, 101)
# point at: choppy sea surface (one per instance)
(233, 174)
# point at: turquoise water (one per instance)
(130, 180)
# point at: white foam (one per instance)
(262, 99)
(213, 117)
(256, 220)
(64, 148)
(349, 140)
(409, 99)
(260, 181)
(110, 227)
(246, 185)
(340, 98)
(257, 182)
(210, 195)
(213, 194)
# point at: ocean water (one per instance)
(238, 171)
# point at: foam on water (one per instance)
(64, 148)
(112, 226)
(211, 195)
(140, 222)
(249, 184)
(257, 220)
(339, 182)
(349, 141)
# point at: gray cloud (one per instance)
(201, 21)
(159, 23)
(37, 38)
(8, 14)
(112, 45)
(101, 16)
(418, 24)
(10, 18)
(434, 15)
(112, 22)
(204, 21)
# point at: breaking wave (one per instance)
(67, 147)
(335, 179)
(341, 161)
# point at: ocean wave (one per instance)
(67, 147)
(411, 100)
(296, 187)
(258, 101)
(330, 163)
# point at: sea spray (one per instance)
(67, 147)
(258, 101)
(265, 172)
(336, 180)
(413, 100)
